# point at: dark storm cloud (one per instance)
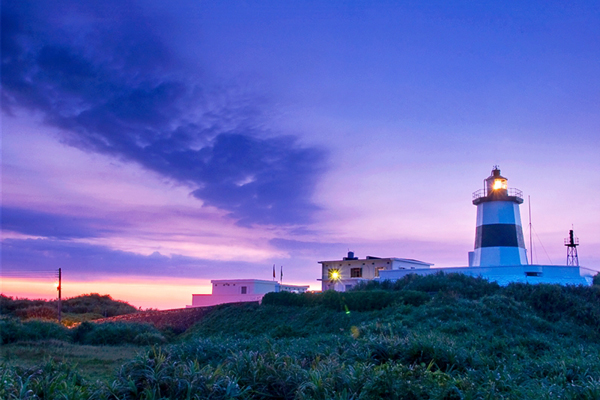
(38, 223)
(88, 262)
(100, 73)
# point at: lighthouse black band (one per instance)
(499, 235)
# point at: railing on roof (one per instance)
(511, 192)
(575, 241)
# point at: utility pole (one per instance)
(59, 287)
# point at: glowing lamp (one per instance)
(495, 184)
(334, 275)
(500, 184)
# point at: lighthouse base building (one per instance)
(505, 274)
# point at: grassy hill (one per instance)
(74, 310)
(436, 337)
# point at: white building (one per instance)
(343, 274)
(241, 290)
(505, 274)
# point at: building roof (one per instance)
(255, 281)
(370, 258)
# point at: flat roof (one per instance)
(254, 281)
(370, 258)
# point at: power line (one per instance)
(542, 244)
(29, 273)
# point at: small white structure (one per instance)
(343, 274)
(241, 290)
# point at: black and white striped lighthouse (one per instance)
(499, 235)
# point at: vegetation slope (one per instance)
(436, 337)
(74, 310)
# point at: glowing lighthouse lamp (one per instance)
(499, 234)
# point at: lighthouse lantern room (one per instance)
(499, 233)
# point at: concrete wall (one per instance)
(554, 274)
(204, 300)
(231, 291)
(234, 287)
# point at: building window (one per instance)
(355, 272)
(533, 274)
(243, 289)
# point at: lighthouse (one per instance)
(499, 233)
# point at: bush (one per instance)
(47, 381)
(39, 312)
(10, 330)
(342, 301)
(412, 297)
(115, 333)
(97, 304)
(284, 331)
(149, 338)
(13, 330)
(89, 303)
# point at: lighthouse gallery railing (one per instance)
(511, 192)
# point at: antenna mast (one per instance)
(59, 289)
(572, 242)
(530, 241)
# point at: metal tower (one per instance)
(572, 242)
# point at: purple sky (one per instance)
(213, 139)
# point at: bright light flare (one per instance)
(334, 274)
(499, 184)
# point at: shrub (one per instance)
(95, 303)
(367, 300)
(13, 330)
(149, 338)
(44, 330)
(114, 333)
(284, 331)
(47, 381)
(462, 285)
(10, 330)
(353, 300)
(39, 312)
(283, 299)
(412, 297)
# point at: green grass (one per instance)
(92, 362)
(440, 337)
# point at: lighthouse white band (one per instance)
(496, 256)
(498, 212)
